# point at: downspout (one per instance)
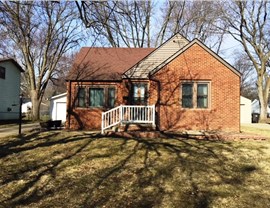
(128, 85)
(239, 105)
(69, 103)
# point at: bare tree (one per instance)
(121, 23)
(193, 19)
(249, 23)
(41, 33)
(248, 79)
(58, 79)
(138, 23)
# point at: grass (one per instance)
(256, 128)
(77, 169)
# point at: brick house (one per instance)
(181, 85)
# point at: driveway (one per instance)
(13, 130)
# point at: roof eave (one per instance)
(14, 62)
(92, 80)
(58, 96)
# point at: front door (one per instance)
(139, 94)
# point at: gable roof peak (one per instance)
(215, 55)
(178, 35)
(142, 69)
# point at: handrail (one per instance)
(128, 114)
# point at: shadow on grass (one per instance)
(15, 146)
(27, 193)
(124, 172)
(191, 163)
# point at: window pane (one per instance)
(96, 97)
(202, 95)
(2, 72)
(187, 95)
(139, 90)
(139, 94)
(111, 97)
(81, 97)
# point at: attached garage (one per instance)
(58, 107)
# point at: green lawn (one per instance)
(71, 169)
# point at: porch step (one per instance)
(131, 128)
(126, 114)
(135, 127)
(136, 134)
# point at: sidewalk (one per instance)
(13, 130)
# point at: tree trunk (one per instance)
(35, 105)
(263, 103)
(40, 42)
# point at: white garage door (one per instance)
(61, 111)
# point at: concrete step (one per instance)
(136, 127)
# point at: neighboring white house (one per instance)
(245, 110)
(10, 80)
(256, 107)
(58, 108)
(26, 107)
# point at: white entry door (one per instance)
(61, 110)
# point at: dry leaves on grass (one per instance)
(77, 169)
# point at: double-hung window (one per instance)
(195, 95)
(187, 95)
(81, 97)
(202, 95)
(96, 97)
(111, 97)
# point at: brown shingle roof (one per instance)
(105, 63)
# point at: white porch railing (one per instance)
(128, 114)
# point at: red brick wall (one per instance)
(164, 90)
(89, 117)
(198, 65)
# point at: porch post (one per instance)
(121, 114)
(102, 123)
(153, 113)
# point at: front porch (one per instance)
(128, 114)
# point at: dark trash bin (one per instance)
(255, 117)
(56, 124)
